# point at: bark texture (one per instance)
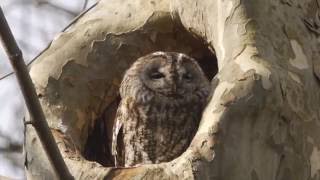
(263, 118)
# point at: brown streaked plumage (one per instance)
(163, 96)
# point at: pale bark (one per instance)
(262, 121)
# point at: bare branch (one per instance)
(32, 101)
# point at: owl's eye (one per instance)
(156, 75)
(187, 76)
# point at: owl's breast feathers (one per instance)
(156, 132)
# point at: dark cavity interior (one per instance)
(159, 34)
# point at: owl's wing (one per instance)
(116, 129)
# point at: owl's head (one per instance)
(167, 74)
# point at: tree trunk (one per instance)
(262, 121)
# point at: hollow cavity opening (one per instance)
(159, 34)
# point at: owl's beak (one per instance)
(172, 82)
(174, 88)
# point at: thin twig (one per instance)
(85, 4)
(55, 6)
(7, 75)
(61, 8)
(32, 101)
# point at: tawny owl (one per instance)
(162, 98)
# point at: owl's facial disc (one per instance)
(160, 78)
(170, 83)
(171, 77)
(162, 81)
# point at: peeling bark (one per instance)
(262, 121)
